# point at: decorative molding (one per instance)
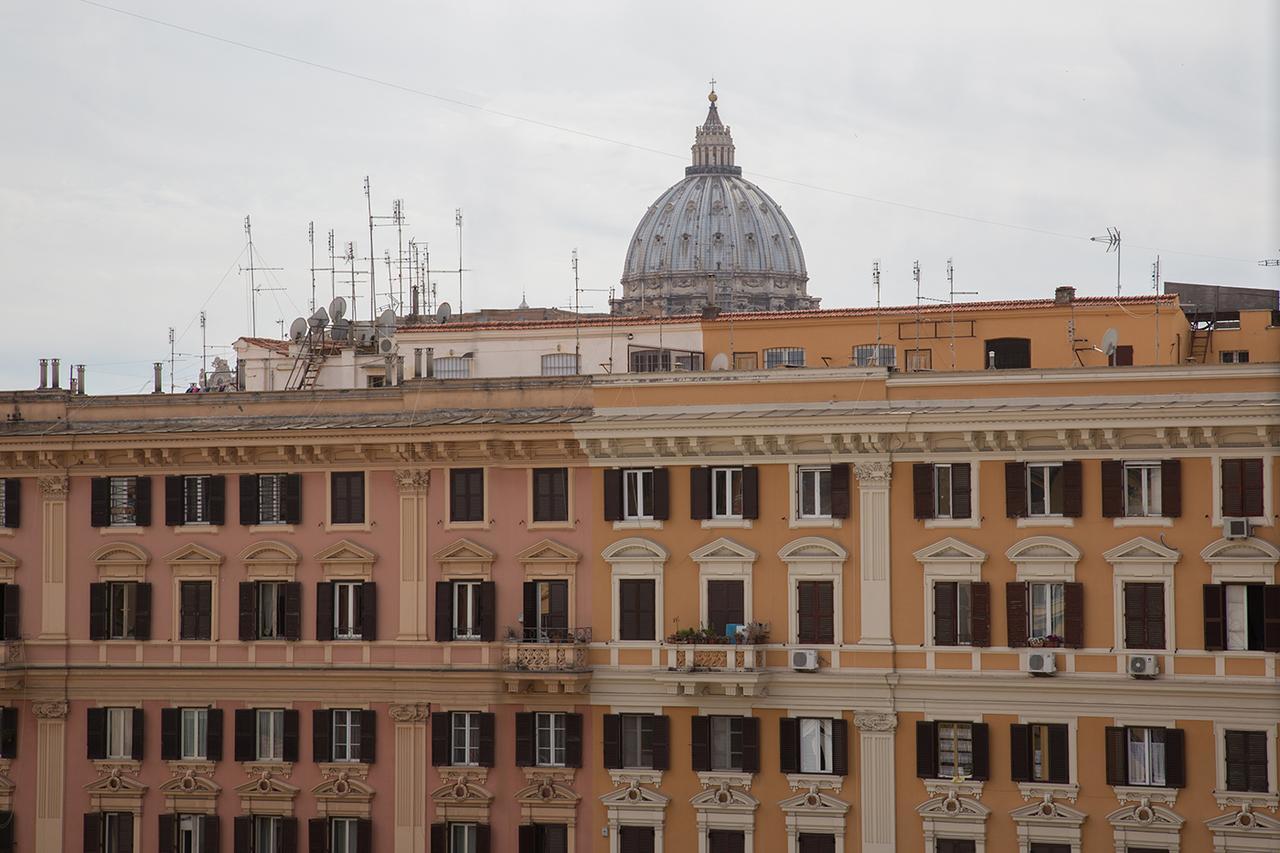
(1048, 791)
(270, 559)
(1145, 796)
(814, 782)
(812, 549)
(121, 561)
(267, 793)
(635, 549)
(413, 480)
(1246, 800)
(346, 559)
(409, 713)
(721, 778)
(343, 791)
(117, 790)
(190, 789)
(875, 722)
(873, 474)
(55, 487)
(50, 710)
(950, 550)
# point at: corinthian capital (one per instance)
(55, 487)
(413, 479)
(56, 710)
(409, 713)
(873, 473)
(875, 722)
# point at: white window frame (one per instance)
(350, 591)
(464, 739)
(964, 623)
(343, 836)
(1148, 760)
(937, 746)
(467, 842)
(1150, 498)
(726, 721)
(272, 499)
(1268, 485)
(974, 521)
(817, 729)
(111, 832)
(194, 733)
(946, 561)
(1049, 511)
(466, 603)
(120, 734)
(939, 491)
(632, 726)
(1142, 560)
(273, 734)
(1053, 589)
(272, 613)
(731, 476)
(643, 477)
(122, 595)
(264, 833)
(636, 558)
(812, 473)
(1240, 609)
(814, 558)
(560, 364)
(451, 367)
(550, 738)
(1220, 728)
(345, 745)
(189, 832)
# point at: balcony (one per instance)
(694, 669)
(547, 661)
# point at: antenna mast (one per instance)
(171, 359)
(875, 279)
(254, 290)
(311, 239)
(915, 273)
(373, 299)
(1155, 286)
(457, 220)
(333, 269)
(1112, 239)
(204, 348)
(952, 293)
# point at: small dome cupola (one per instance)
(713, 145)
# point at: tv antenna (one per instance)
(875, 279)
(915, 274)
(457, 220)
(373, 299)
(254, 289)
(1112, 239)
(333, 271)
(1155, 286)
(396, 219)
(311, 239)
(1269, 262)
(204, 347)
(952, 293)
(578, 290)
(171, 359)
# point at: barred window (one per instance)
(875, 355)
(658, 360)
(453, 367)
(560, 364)
(784, 357)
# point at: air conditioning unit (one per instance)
(804, 660)
(1235, 528)
(1042, 663)
(1144, 666)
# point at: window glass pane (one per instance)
(195, 505)
(550, 739)
(124, 491)
(784, 357)
(815, 746)
(269, 498)
(942, 491)
(1237, 617)
(955, 750)
(270, 735)
(964, 632)
(452, 367)
(560, 364)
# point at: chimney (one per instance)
(413, 300)
(158, 367)
(44, 373)
(53, 363)
(1064, 295)
(80, 379)
(417, 362)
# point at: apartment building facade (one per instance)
(986, 610)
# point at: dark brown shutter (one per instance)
(321, 735)
(1252, 492)
(441, 739)
(1237, 762)
(826, 612)
(1059, 754)
(1270, 617)
(293, 610)
(1233, 488)
(369, 611)
(1256, 756)
(368, 737)
(961, 500)
(1155, 614)
(700, 493)
(12, 614)
(611, 741)
(529, 595)
(724, 604)
(661, 494)
(324, 611)
(944, 613)
(488, 611)
(483, 838)
(486, 745)
(444, 611)
(1073, 614)
(290, 743)
(249, 500)
(9, 732)
(922, 489)
(1073, 489)
(981, 752)
(980, 614)
(1135, 617)
(100, 502)
(750, 492)
(439, 838)
(700, 743)
(139, 718)
(788, 745)
(1015, 599)
(841, 503)
(92, 832)
(318, 835)
(98, 594)
(142, 502)
(1215, 622)
(173, 505)
(1171, 488)
(612, 494)
(806, 611)
(364, 835)
(248, 610)
(1112, 489)
(840, 747)
(213, 735)
(246, 725)
(291, 498)
(288, 835)
(1015, 489)
(661, 742)
(168, 832)
(1175, 758)
(528, 835)
(170, 722)
(572, 740)
(525, 724)
(750, 744)
(1117, 749)
(926, 749)
(242, 826)
(124, 830)
(96, 733)
(1020, 752)
(339, 498)
(142, 612)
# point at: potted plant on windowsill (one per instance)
(703, 636)
(1049, 641)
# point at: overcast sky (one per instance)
(131, 151)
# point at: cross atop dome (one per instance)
(713, 144)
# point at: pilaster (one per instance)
(53, 615)
(876, 768)
(873, 535)
(411, 777)
(51, 741)
(413, 484)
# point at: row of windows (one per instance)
(113, 832)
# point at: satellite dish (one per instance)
(338, 308)
(340, 329)
(720, 362)
(386, 325)
(443, 313)
(1109, 342)
(319, 320)
(298, 329)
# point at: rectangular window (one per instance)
(1007, 353)
(726, 493)
(343, 835)
(346, 735)
(550, 734)
(918, 359)
(746, 361)
(1144, 615)
(346, 497)
(953, 600)
(195, 733)
(637, 740)
(117, 832)
(466, 495)
(196, 616)
(637, 494)
(549, 619)
(189, 833)
(549, 838)
(784, 357)
(815, 612)
(560, 364)
(1141, 489)
(726, 743)
(465, 741)
(636, 839)
(195, 500)
(271, 499)
(636, 610)
(1236, 356)
(1245, 616)
(462, 838)
(124, 501)
(815, 746)
(955, 750)
(266, 830)
(724, 605)
(942, 490)
(1242, 488)
(1246, 757)
(550, 494)
(1045, 483)
(452, 367)
(813, 491)
(122, 602)
(346, 610)
(270, 731)
(875, 355)
(1039, 735)
(1146, 754)
(466, 610)
(270, 610)
(1048, 612)
(120, 733)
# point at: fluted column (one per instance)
(873, 527)
(413, 485)
(53, 568)
(411, 777)
(51, 747)
(875, 746)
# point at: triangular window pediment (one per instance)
(724, 798)
(812, 802)
(723, 550)
(267, 788)
(950, 550)
(8, 562)
(189, 785)
(116, 785)
(548, 551)
(953, 808)
(1138, 816)
(1142, 550)
(193, 554)
(342, 789)
(462, 792)
(346, 551)
(1254, 826)
(547, 793)
(635, 797)
(464, 551)
(1048, 813)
